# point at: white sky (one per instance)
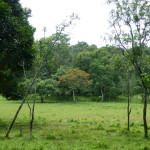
(93, 14)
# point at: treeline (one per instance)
(113, 71)
(110, 73)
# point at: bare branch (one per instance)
(119, 38)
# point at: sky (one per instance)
(91, 27)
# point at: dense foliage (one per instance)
(16, 39)
(109, 70)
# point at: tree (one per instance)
(103, 73)
(131, 23)
(128, 78)
(37, 73)
(83, 55)
(62, 52)
(79, 47)
(16, 38)
(83, 60)
(60, 55)
(101, 76)
(75, 79)
(47, 87)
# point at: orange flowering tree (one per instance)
(75, 79)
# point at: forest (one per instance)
(105, 90)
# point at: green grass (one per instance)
(73, 126)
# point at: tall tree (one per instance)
(75, 79)
(16, 38)
(127, 75)
(62, 52)
(83, 55)
(60, 55)
(130, 20)
(60, 29)
(103, 73)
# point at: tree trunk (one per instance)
(74, 99)
(128, 107)
(142, 100)
(32, 119)
(102, 95)
(42, 100)
(32, 114)
(145, 112)
(18, 110)
(145, 98)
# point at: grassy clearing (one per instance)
(73, 126)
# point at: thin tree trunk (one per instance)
(122, 92)
(142, 100)
(18, 110)
(42, 100)
(144, 97)
(25, 76)
(145, 112)
(102, 95)
(32, 116)
(74, 99)
(128, 107)
(24, 99)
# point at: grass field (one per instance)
(73, 126)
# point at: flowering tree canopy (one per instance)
(76, 79)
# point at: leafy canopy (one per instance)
(16, 38)
(75, 79)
